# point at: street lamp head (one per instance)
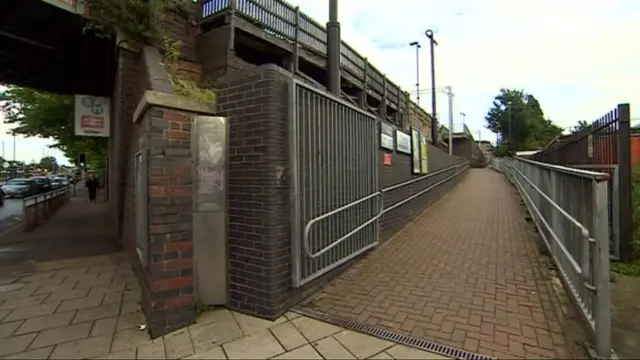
(415, 43)
(429, 34)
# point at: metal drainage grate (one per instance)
(421, 344)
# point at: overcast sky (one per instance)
(578, 57)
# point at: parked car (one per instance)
(59, 181)
(44, 182)
(21, 188)
(2, 195)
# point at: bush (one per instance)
(635, 196)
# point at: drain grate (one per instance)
(421, 344)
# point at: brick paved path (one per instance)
(466, 274)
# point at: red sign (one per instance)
(91, 122)
(387, 159)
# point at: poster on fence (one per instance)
(415, 150)
(424, 158)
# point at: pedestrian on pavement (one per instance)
(92, 184)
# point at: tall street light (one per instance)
(417, 45)
(434, 121)
(333, 48)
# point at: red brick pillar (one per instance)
(168, 297)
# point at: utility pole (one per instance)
(509, 120)
(333, 48)
(449, 93)
(417, 45)
(14, 148)
(434, 120)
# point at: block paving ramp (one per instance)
(466, 273)
(90, 308)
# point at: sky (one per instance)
(26, 149)
(577, 57)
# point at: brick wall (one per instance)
(258, 193)
(126, 95)
(401, 171)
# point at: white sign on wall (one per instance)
(403, 142)
(92, 116)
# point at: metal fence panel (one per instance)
(336, 197)
(570, 209)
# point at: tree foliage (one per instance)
(529, 129)
(582, 124)
(41, 114)
(48, 162)
(138, 20)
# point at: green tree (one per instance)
(41, 114)
(48, 162)
(582, 124)
(519, 120)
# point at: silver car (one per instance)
(20, 188)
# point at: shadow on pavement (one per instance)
(79, 229)
(625, 304)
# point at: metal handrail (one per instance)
(40, 198)
(406, 200)
(380, 194)
(307, 228)
(582, 269)
(566, 170)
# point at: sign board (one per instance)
(386, 136)
(424, 160)
(387, 159)
(415, 150)
(92, 116)
(403, 142)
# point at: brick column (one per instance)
(168, 283)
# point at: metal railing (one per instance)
(459, 167)
(283, 20)
(38, 209)
(614, 203)
(570, 209)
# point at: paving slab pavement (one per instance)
(89, 308)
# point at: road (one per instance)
(10, 213)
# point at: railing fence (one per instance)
(335, 182)
(280, 19)
(570, 209)
(606, 146)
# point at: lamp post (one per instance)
(434, 121)
(449, 92)
(417, 45)
(333, 48)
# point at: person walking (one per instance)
(92, 184)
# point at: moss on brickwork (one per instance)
(181, 84)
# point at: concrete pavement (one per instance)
(89, 308)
